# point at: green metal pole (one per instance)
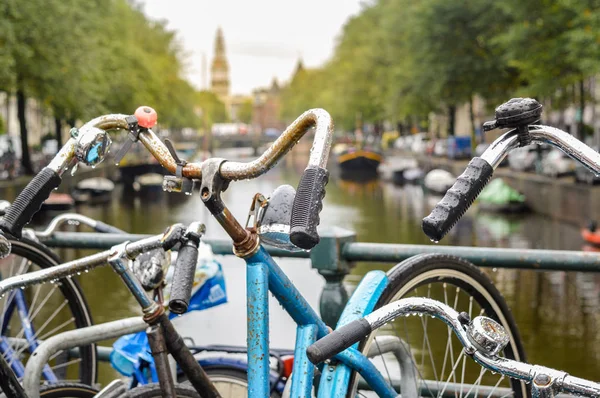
(547, 260)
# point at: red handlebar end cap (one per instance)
(146, 116)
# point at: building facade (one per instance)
(267, 108)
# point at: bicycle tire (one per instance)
(44, 258)
(427, 268)
(67, 390)
(220, 376)
(153, 390)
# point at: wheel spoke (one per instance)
(496, 386)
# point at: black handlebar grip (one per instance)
(183, 277)
(457, 199)
(29, 202)
(107, 229)
(338, 340)
(307, 205)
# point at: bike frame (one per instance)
(264, 275)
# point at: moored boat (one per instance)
(590, 234)
(438, 181)
(408, 176)
(93, 190)
(498, 196)
(58, 202)
(364, 160)
(148, 182)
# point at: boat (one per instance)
(58, 202)
(149, 182)
(93, 190)
(408, 176)
(364, 160)
(438, 181)
(394, 165)
(590, 234)
(500, 197)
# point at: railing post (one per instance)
(326, 258)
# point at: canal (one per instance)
(558, 313)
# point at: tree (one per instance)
(554, 44)
(245, 112)
(213, 109)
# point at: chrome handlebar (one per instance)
(317, 118)
(540, 134)
(71, 268)
(479, 171)
(482, 339)
(546, 381)
(66, 218)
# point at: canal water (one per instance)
(558, 313)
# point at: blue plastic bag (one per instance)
(128, 353)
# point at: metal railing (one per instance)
(334, 256)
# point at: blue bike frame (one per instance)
(264, 275)
(17, 299)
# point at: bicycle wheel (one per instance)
(230, 382)
(183, 390)
(67, 390)
(440, 366)
(38, 312)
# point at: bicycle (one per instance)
(482, 338)
(26, 321)
(291, 224)
(220, 367)
(91, 148)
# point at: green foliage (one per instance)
(83, 58)
(245, 112)
(211, 107)
(399, 60)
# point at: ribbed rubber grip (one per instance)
(29, 202)
(308, 203)
(338, 340)
(107, 229)
(183, 277)
(457, 199)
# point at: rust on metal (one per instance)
(317, 118)
(159, 150)
(249, 246)
(152, 316)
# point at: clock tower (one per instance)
(219, 70)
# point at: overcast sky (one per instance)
(263, 38)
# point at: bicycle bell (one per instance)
(487, 335)
(151, 267)
(92, 145)
(273, 225)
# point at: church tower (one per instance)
(219, 70)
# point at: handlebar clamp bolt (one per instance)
(542, 379)
(74, 132)
(464, 318)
